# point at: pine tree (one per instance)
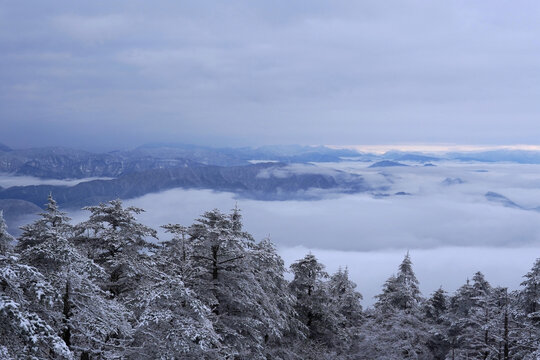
(87, 319)
(527, 314)
(478, 314)
(395, 328)
(478, 330)
(314, 303)
(170, 320)
(114, 239)
(281, 324)
(530, 295)
(26, 303)
(437, 306)
(461, 304)
(223, 257)
(436, 316)
(52, 223)
(346, 302)
(6, 240)
(401, 291)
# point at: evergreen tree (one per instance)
(437, 306)
(346, 302)
(170, 321)
(401, 291)
(436, 316)
(282, 327)
(6, 240)
(314, 303)
(51, 223)
(527, 315)
(530, 295)
(395, 329)
(479, 321)
(225, 276)
(87, 320)
(114, 239)
(26, 303)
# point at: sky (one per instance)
(108, 75)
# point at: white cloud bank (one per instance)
(8, 180)
(451, 231)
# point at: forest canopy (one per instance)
(108, 288)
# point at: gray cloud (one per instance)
(246, 73)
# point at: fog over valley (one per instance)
(454, 217)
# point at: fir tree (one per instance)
(314, 302)
(6, 240)
(395, 328)
(87, 319)
(114, 239)
(223, 257)
(51, 223)
(346, 302)
(401, 291)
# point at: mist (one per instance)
(451, 231)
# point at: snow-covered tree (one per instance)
(401, 291)
(436, 316)
(51, 223)
(525, 338)
(88, 321)
(314, 303)
(114, 239)
(346, 302)
(225, 277)
(530, 294)
(437, 305)
(26, 302)
(171, 322)
(6, 240)
(395, 328)
(280, 319)
(480, 321)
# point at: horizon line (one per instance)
(433, 148)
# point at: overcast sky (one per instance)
(117, 74)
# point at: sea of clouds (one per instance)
(450, 228)
(9, 180)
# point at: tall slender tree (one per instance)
(6, 240)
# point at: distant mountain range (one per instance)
(386, 163)
(64, 163)
(243, 180)
(158, 167)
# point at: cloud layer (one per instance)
(450, 227)
(113, 75)
(435, 213)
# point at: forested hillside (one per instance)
(107, 288)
